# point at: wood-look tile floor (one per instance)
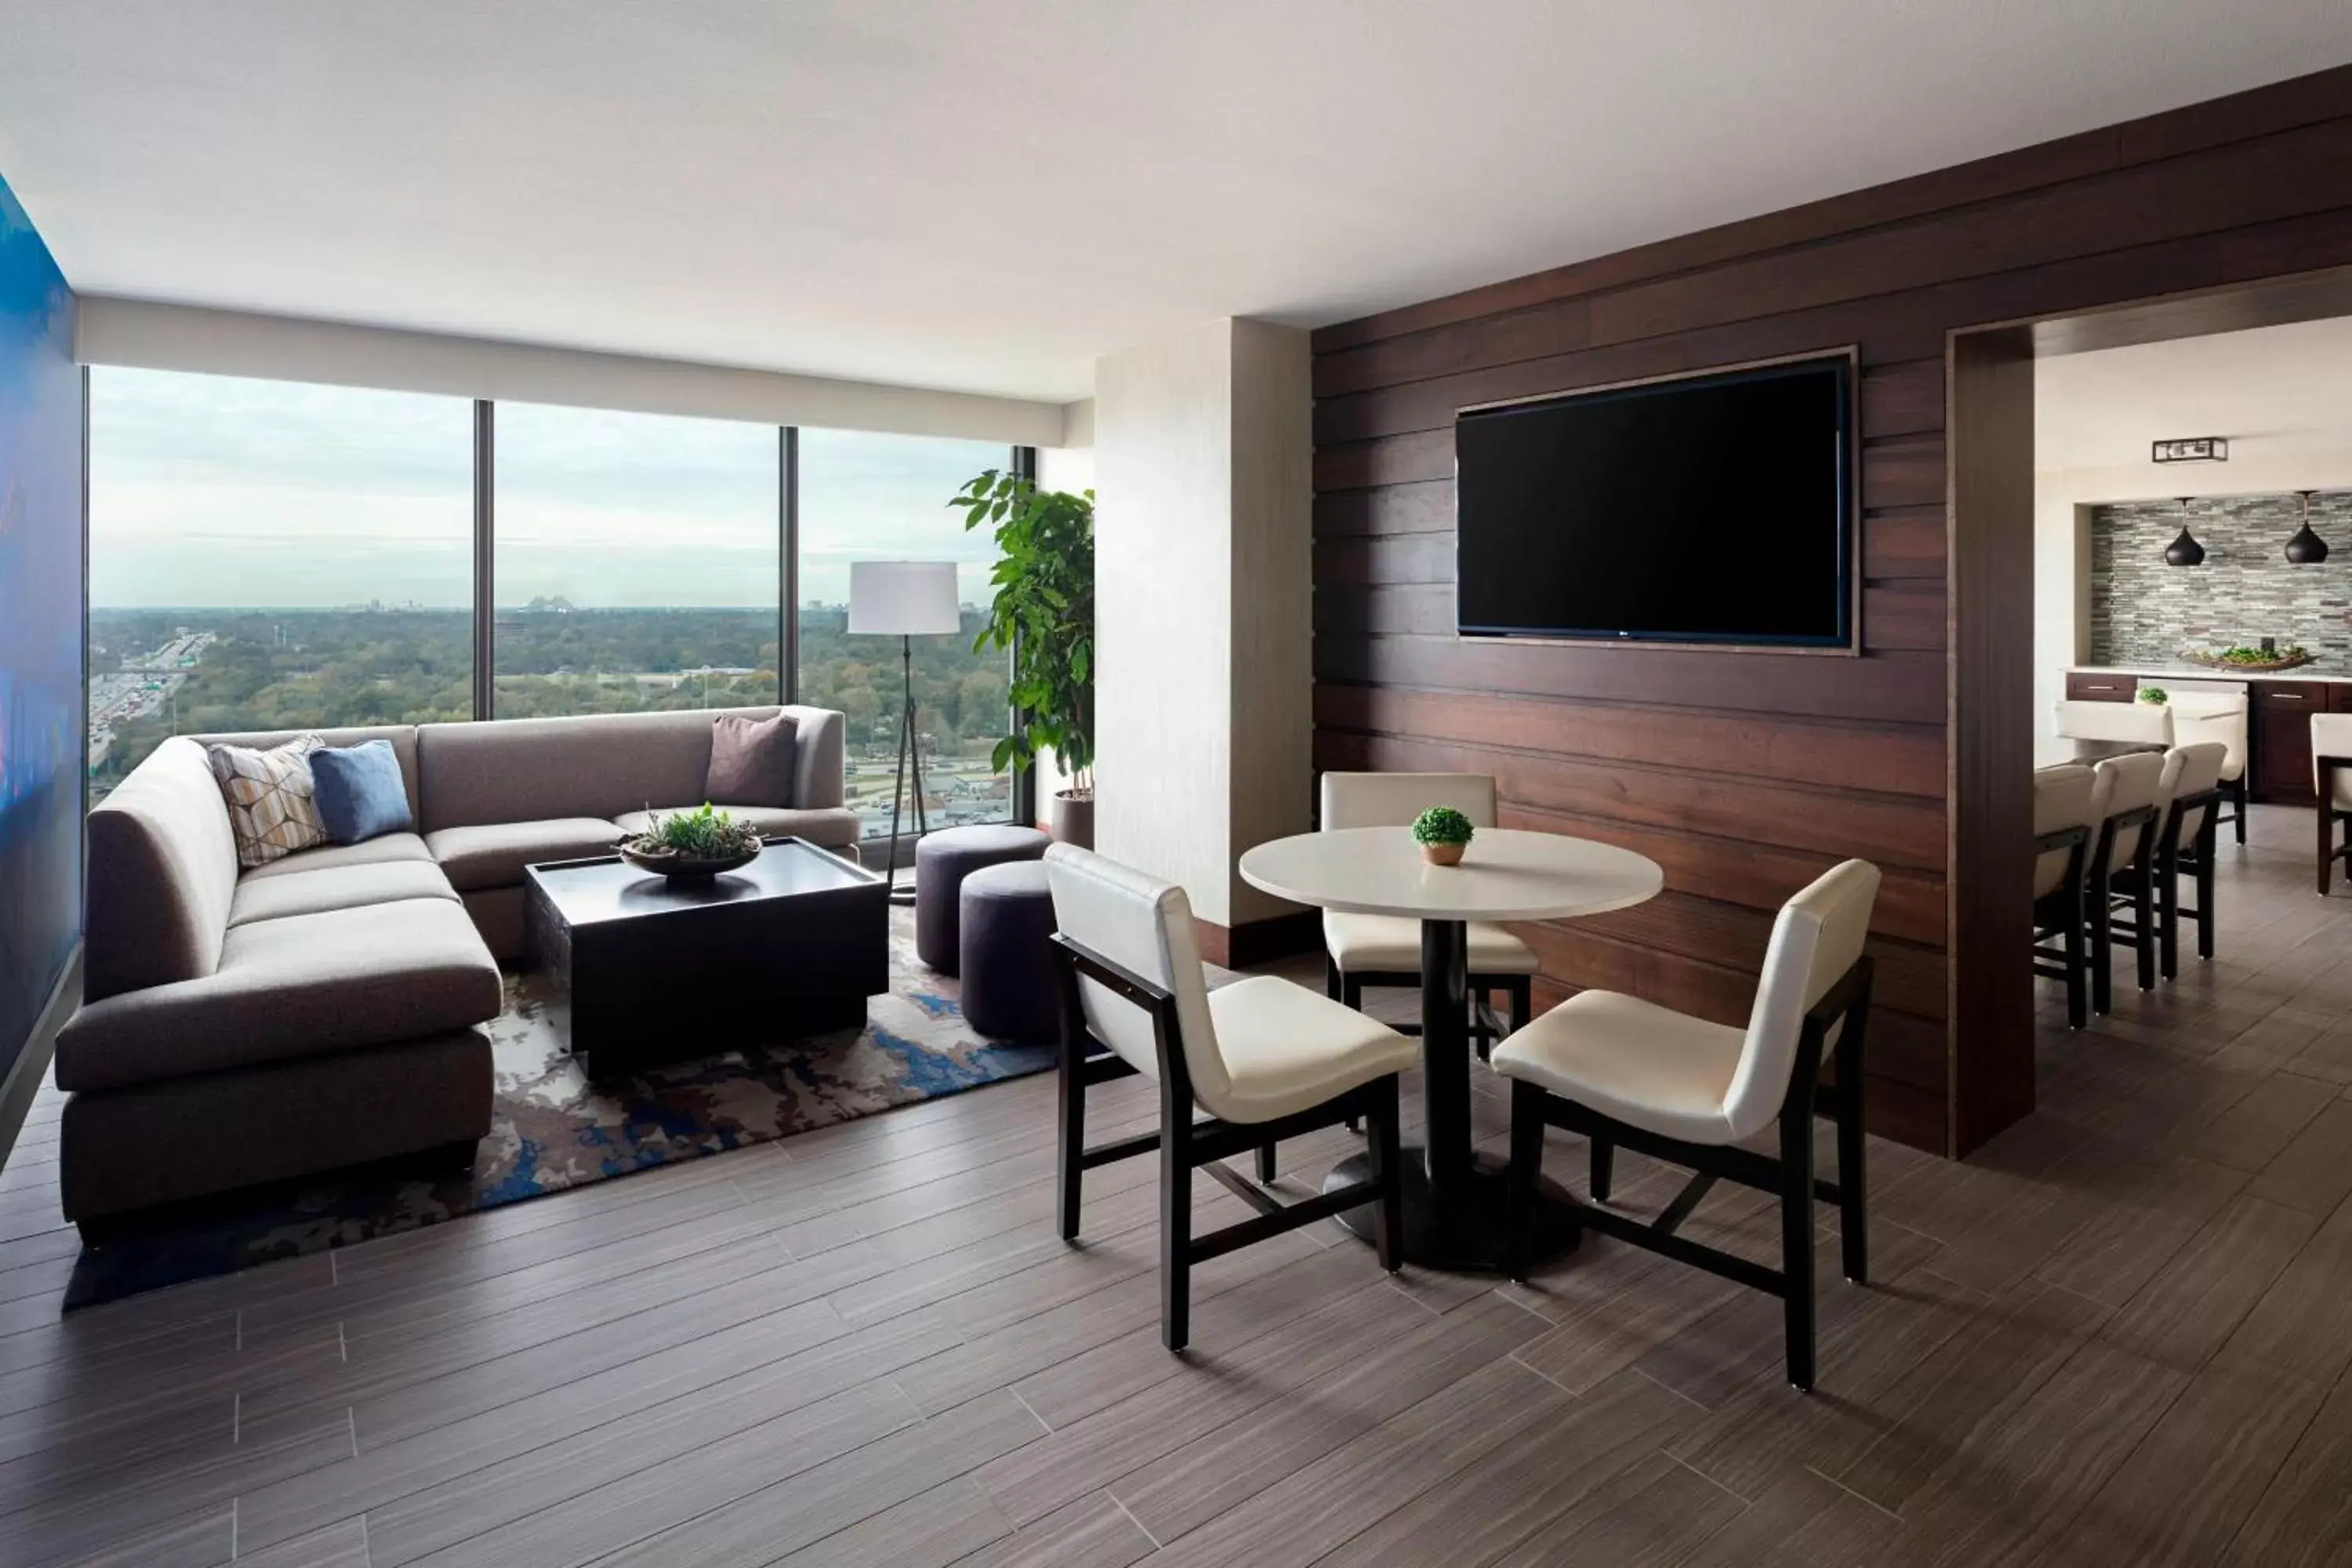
(2117, 1336)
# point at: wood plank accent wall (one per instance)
(1747, 775)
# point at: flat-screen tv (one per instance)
(1712, 509)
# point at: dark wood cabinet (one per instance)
(2280, 737)
(2088, 686)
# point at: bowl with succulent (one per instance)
(1443, 834)
(2254, 659)
(693, 844)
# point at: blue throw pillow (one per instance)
(358, 792)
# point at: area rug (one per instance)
(552, 1129)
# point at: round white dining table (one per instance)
(1453, 1195)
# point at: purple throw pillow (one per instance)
(751, 761)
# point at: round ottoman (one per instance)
(1008, 965)
(942, 861)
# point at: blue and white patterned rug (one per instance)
(552, 1130)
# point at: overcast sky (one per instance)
(215, 490)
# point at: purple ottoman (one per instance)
(942, 861)
(1008, 969)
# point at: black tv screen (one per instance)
(1713, 509)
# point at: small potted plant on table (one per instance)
(1443, 834)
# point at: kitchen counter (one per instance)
(2159, 674)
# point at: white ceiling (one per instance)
(2273, 392)
(986, 196)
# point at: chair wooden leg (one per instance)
(1480, 1005)
(2327, 845)
(1853, 1221)
(2237, 788)
(2078, 966)
(1348, 993)
(1069, 1169)
(1175, 1226)
(1522, 1001)
(1331, 985)
(2103, 983)
(1605, 1167)
(1388, 1170)
(2205, 900)
(1797, 1239)
(1266, 1164)
(2144, 945)
(1527, 1164)
(2167, 922)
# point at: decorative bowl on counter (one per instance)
(2252, 660)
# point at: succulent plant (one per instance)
(705, 835)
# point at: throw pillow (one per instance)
(751, 761)
(270, 807)
(359, 791)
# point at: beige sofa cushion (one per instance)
(337, 888)
(833, 826)
(375, 852)
(293, 988)
(493, 855)
(527, 770)
(162, 869)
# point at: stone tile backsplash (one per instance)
(2144, 612)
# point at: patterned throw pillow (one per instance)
(268, 795)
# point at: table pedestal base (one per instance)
(1463, 1230)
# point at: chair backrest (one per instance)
(1816, 939)
(2124, 784)
(1145, 926)
(2222, 723)
(1393, 800)
(2146, 724)
(2190, 771)
(2062, 798)
(2331, 736)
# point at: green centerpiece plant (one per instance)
(1443, 834)
(693, 844)
(2153, 695)
(1043, 616)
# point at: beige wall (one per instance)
(1204, 606)
(2062, 499)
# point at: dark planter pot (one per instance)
(1074, 819)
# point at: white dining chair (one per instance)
(2107, 725)
(2201, 720)
(2061, 845)
(1621, 1070)
(2331, 781)
(1385, 950)
(2191, 791)
(2127, 803)
(1263, 1058)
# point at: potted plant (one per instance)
(1443, 834)
(692, 844)
(1043, 616)
(2153, 695)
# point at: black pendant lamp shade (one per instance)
(2306, 548)
(2184, 551)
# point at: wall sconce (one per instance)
(2184, 551)
(2306, 548)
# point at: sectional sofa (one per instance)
(322, 1010)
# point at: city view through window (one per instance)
(272, 556)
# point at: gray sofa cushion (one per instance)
(162, 869)
(375, 852)
(293, 988)
(337, 888)
(493, 855)
(402, 736)
(833, 826)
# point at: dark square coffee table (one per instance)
(654, 971)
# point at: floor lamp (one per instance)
(904, 599)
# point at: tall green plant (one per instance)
(1044, 613)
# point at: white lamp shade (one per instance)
(904, 598)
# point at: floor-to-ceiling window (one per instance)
(875, 497)
(637, 561)
(270, 556)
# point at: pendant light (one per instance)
(2306, 548)
(2184, 551)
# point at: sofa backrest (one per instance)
(402, 736)
(163, 868)
(525, 770)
